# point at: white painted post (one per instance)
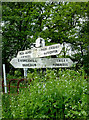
(25, 72)
(4, 73)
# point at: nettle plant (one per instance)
(51, 94)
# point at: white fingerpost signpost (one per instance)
(33, 58)
(41, 62)
(40, 52)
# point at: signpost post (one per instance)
(25, 72)
(41, 62)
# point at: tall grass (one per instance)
(54, 94)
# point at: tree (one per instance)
(19, 20)
(58, 22)
(85, 30)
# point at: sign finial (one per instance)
(40, 42)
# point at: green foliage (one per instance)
(17, 75)
(55, 94)
(61, 19)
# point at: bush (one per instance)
(55, 94)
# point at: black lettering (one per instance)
(50, 52)
(43, 49)
(25, 65)
(21, 53)
(61, 64)
(66, 60)
(28, 52)
(53, 47)
(62, 60)
(25, 56)
(28, 65)
(27, 60)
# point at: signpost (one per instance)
(32, 58)
(41, 62)
(40, 52)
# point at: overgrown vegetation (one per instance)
(52, 94)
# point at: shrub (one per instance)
(55, 94)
